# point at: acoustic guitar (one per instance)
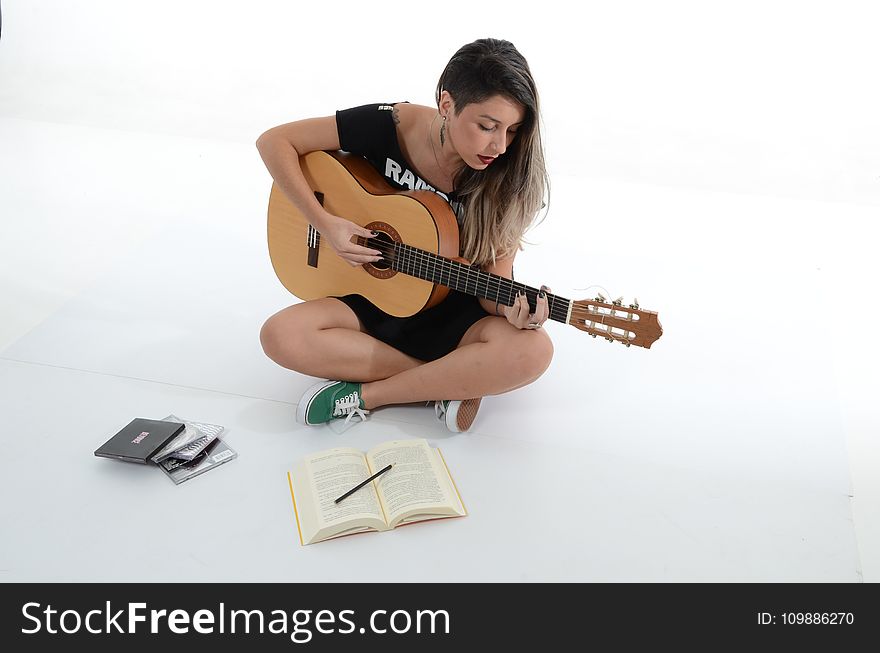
(418, 238)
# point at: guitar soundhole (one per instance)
(384, 243)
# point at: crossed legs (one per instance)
(324, 338)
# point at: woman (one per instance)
(480, 149)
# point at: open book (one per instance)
(418, 487)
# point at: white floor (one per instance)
(134, 278)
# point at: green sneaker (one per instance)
(457, 414)
(329, 400)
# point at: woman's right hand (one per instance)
(340, 233)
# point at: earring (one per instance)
(443, 132)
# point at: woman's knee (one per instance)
(532, 354)
(543, 352)
(288, 336)
(284, 335)
(272, 337)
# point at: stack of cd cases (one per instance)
(195, 450)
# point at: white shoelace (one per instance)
(349, 404)
(439, 409)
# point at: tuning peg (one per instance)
(593, 335)
(609, 338)
(618, 301)
(626, 343)
(635, 304)
(600, 298)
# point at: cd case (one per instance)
(140, 440)
(191, 442)
(214, 455)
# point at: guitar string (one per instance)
(412, 257)
(494, 284)
(409, 256)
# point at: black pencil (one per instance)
(362, 484)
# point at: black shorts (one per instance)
(428, 335)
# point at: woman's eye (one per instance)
(486, 129)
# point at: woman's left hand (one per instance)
(520, 317)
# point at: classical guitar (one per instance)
(418, 237)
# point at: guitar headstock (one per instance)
(629, 325)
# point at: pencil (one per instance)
(363, 483)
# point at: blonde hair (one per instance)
(501, 202)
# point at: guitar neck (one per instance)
(467, 279)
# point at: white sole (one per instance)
(461, 418)
(302, 409)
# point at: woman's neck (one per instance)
(446, 160)
(416, 127)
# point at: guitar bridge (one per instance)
(314, 237)
(314, 243)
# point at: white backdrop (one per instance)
(748, 96)
(773, 98)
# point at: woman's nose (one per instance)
(501, 144)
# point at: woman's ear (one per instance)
(446, 104)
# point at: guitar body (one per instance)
(348, 186)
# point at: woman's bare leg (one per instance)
(493, 357)
(323, 338)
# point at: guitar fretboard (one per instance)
(467, 279)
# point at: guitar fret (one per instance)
(471, 280)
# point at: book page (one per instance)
(335, 472)
(416, 484)
(319, 480)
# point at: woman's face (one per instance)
(482, 131)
